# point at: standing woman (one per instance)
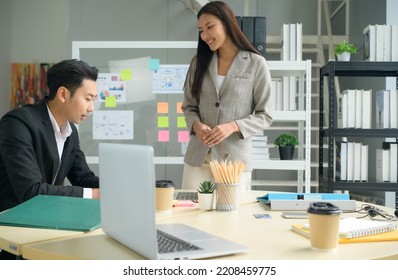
(227, 96)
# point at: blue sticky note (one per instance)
(154, 64)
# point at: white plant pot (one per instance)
(345, 56)
(206, 201)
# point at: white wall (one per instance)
(39, 30)
(31, 32)
(5, 55)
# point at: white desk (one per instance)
(13, 239)
(267, 238)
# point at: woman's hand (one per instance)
(201, 130)
(217, 134)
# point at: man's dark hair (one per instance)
(70, 74)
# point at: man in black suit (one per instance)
(39, 144)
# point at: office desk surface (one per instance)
(12, 239)
(267, 238)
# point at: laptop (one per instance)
(127, 203)
(186, 195)
(179, 194)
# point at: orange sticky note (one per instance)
(178, 109)
(163, 107)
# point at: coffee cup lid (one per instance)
(164, 184)
(323, 208)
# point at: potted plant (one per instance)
(206, 195)
(344, 50)
(286, 142)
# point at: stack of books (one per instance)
(292, 41)
(355, 109)
(292, 44)
(386, 162)
(351, 161)
(285, 93)
(380, 42)
(260, 147)
(387, 108)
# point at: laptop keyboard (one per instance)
(171, 244)
(187, 196)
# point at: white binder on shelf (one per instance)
(394, 42)
(358, 108)
(367, 109)
(364, 162)
(379, 42)
(382, 109)
(369, 34)
(393, 162)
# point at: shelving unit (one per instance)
(302, 70)
(360, 69)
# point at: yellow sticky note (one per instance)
(126, 75)
(178, 109)
(110, 101)
(163, 107)
(183, 136)
(181, 123)
(163, 136)
(163, 121)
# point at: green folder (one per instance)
(54, 212)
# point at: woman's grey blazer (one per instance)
(244, 97)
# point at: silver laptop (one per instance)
(127, 177)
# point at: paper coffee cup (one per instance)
(324, 220)
(164, 196)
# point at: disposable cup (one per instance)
(164, 197)
(324, 220)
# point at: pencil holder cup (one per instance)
(226, 197)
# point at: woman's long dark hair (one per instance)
(204, 54)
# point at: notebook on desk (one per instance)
(127, 176)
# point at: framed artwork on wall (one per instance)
(28, 83)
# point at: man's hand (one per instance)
(96, 193)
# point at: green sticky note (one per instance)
(110, 101)
(154, 64)
(125, 74)
(163, 121)
(181, 123)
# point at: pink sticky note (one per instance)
(183, 136)
(163, 136)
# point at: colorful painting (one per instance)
(29, 83)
